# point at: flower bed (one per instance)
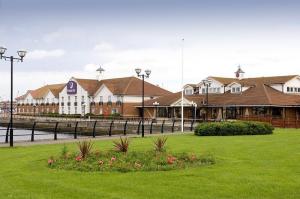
(126, 161)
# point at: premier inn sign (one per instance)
(71, 88)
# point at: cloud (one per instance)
(42, 54)
(91, 67)
(104, 46)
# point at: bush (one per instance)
(122, 145)
(233, 128)
(159, 144)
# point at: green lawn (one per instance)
(265, 166)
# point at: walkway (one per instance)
(68, 140)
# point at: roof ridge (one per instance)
(267, 94)
(130, 81)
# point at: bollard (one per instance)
(6, 136)
(125, 128)
(32, 132)
(138, 129)
(192, 125)
(75, 132)
(110, 127)
(173, 125)
(94, 129)
(151, 126)
(162, 127)
(55, 131)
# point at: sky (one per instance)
(73, 38)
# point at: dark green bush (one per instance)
(233, 128)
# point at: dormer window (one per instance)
(189, 91)
(235, 90)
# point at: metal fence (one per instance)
(93, 128)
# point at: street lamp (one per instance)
(21, 54)
(147, 74)
(207, 83)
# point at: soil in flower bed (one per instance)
(131, 161)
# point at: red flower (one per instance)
(50, 161)
(78, 158)
(171, 159)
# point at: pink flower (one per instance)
(50, 161)
(78, 158)
(113, 159)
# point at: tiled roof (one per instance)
(260, 94)
(122, 86)
(256, 80)
(22, 97)
(41, 92)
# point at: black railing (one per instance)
(93, 128)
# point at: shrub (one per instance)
(64, 151)
(233, 128)
(122, 145)
(85, 148)
(159, 144)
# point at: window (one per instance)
(233, 90)
(109, 98)
(238, 89)
(82, 98)
(288, 89)
(69, 98)
(218, 90)
(62, 99)
(298, 90)
(101, 98)
(291, 89)
(69, 110)
(189, 91)
(75, 98)
(203, 90)
(259, 110)
(63, 111)
(215, 90)
(119, 98)
(114, 111)
(75, 109)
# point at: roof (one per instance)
(259, 95)
(122, 86)
(255, 80)
(41, 92)
(22, 97)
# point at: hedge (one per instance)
(233, 128)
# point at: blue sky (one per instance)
(71, 38)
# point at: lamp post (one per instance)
(21, 54)
(147, 74)
(207, 83)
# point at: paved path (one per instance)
(67, 140)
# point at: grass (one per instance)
(264, 166)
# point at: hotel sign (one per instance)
(71, 88)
